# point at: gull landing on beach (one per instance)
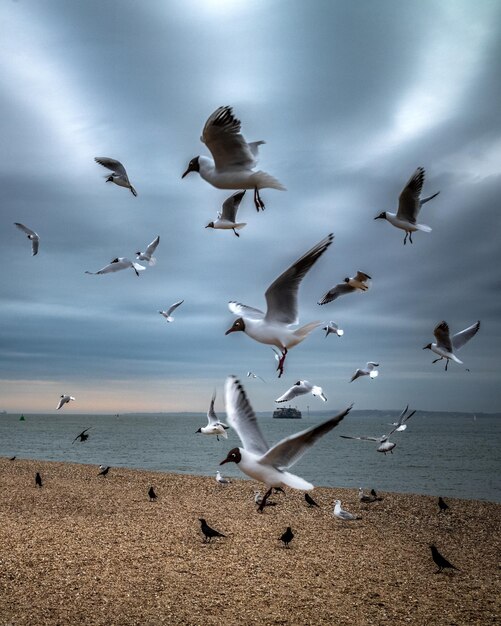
(274, 326)
(446, 346)
(119, 175)
(233, 159)
(32, 236)
(255, 458)
(409, 205)
(226, 219)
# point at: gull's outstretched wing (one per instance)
(341, 289)
(442, 336)
(298, 389)
(153, 246)
(211, 414)
(113, 165)
(242, 418)
(230, 206)
(459, 339)
(245, 311)
(408, 201)
(174, 306)
(361, 438)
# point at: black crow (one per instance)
(440, 560)
(287, 537)
(310, 501)
(152, 494)
(442, 506)
(38, 480)
(208, 531)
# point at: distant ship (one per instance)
(287, 413)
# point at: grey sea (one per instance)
(447, 454)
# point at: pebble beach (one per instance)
(93, 550)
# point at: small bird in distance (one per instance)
(226, 219)
(333, 329)
(168, 314)
(83, 436)
(300, 388)
(32, 236)
(38, 480)
(119, 175)
(369, 370)
(119, 263)
(349, 285)
(287, 537)
(147, 255)
(64, 399)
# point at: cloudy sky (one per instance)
(350, 98)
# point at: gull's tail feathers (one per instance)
(423, 227)
(305, 330)
(266, 181)
(296, 482)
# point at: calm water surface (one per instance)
(439, 454)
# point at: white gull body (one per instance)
(226, 219)
(147, 255)
(64, 399)
(120, 263)
(301, 388)
(168, 314)
(341, 514)
(214, 425)
(446, 346)
(119, 175)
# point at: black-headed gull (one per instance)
(385, 445)
(226, 219)
(168, 314)
(233, 159)
(63, 399)
(214, 426)
(274, 326)
(300, 389)
(343, 515)
(409, 205)
(446, 346)
(32, 236)
(400, 424)
(369, 370)
(120, 263)
(255, 458)
(82, 436)
(252, 375)
(349, 285)
(147, 255)
(119, 176)
(333, 328)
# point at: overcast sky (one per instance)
(350, 98)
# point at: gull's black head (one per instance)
(427, 347)
(193, 166)
(298, 383)
(109, 179)
(238, 324)
(198, 431)
(347, 279)
(210, 225)
(115, 260)
(381, 216)
(234, 456)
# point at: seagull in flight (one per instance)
(385, 445)
(32, 236)
(400, 424)
(446, 346)
(409, 205)
(274, 326)
(82, 436)
(119, 175)
(63, 399)
(252, 375)
(226, 219)
(233, 159)
(147, 255)
(255, 458)
(299, 389)
(349, 285)
(333, 328)
(168, 314)
(120, 263)
(214, 426)
(369, 370)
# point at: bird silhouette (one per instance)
(374, 494)
(151, 493)
(440, 561)
(208, 531)
(287, 537)
(38, 479)
(310, 501)
(12, 458)
(104, 471)
(442, 506)
(82, 436)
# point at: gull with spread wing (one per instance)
(300, 389)
(446, 346)
(147, 255)
(120, 263)
(349, 285)
(255, 458)
(119, 176)
(226, 219)
(385, 445)
(369, 370)
(32, 236)
(333, 328)
(400, 424)
(63, 399)
(168, 314)
(409, 205)
(214, 425)
(233, 159)
(274, 326)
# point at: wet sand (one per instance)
(90, 550)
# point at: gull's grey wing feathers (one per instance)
(113, 165)
(174, 306)
(211, 414)
(221, 134)
(34, 245)
(289, 450)
(245, 311)
(400, 419)
(230, 206)
(296, 390)
(362, 276)
(459, 339)
(26, 230)
(242, 418)
(153, 246)
(281, 295)
(408, 201)
(441, 332)
(340, 289)
(362, 438)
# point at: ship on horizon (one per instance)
(287, 412)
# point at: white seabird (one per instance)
(341, 514)
(400, 424)
(226, 219)
(274, 326)
(221, 479)
(333, 328)
(63, 400)
(301, 388)
(349, 285)
(168, 314)
(147, 255)
(120, 263)
(409, 205)
(385, 445)
(214, 425)
(369, 370)
(446, 346)
(255, 458)
(233, 159)
(252, 375)
(32, 236)
(119, 176)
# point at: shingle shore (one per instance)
(91, 550)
